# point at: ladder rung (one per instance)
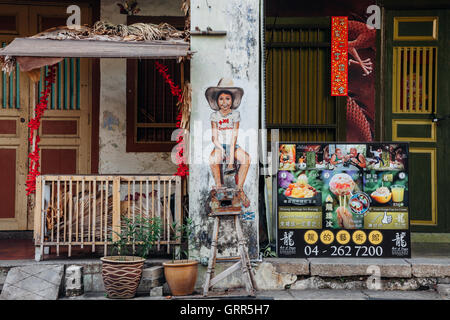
(225, 213)
(222, 259)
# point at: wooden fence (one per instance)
(86, 210)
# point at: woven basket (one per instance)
(121, 275)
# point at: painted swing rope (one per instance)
(34, 124)
(183, 169)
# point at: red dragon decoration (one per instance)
(361, 99)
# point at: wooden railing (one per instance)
(87, 210)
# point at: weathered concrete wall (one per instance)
(234, 56)
(113, 155)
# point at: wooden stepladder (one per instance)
(243, 259)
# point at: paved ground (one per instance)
(321, 294)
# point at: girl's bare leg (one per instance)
(244, 160)
(215, 162)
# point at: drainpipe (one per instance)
(263, 133)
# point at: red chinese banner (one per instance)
(339, 56)
(183, 169)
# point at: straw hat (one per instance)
(224, 85)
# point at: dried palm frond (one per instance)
(185, 105)
(104, 30)
(8, 64)
(138, 31)
(64, 32)
(145, 31)
(186, 6)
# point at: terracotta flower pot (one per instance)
(122, 275)
(181, 276)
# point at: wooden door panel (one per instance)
(7, 190)
(8, 127)
(59, 161)
(423, 186)
(59, 127)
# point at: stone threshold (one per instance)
(353, 273)
(347, 267)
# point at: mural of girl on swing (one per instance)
(224, 99)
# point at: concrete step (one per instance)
(284, 274)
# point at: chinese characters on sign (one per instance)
(339, 56)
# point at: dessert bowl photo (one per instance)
(381, 195)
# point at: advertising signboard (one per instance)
(343, 200)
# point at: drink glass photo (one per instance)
(398, 192)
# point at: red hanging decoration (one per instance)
(183, 169)
(339, 56)
(34, 124)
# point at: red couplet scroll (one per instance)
(339, 56)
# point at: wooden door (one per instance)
(65, 126)
(417, 108)
(14, 96)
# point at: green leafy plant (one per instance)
(184, 231)
(141, 231)
(267, 251)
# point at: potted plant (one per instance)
(181, 272)
(122, 272)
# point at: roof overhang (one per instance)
(85, 48)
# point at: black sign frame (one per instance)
(309, 229)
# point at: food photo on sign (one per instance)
(387, 188)
(299, 187)
(338, 189)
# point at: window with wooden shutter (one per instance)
(151, 107)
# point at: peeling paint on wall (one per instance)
(242, 42)
(109, 121)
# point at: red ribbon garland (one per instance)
(183, 169)
(34, 124)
